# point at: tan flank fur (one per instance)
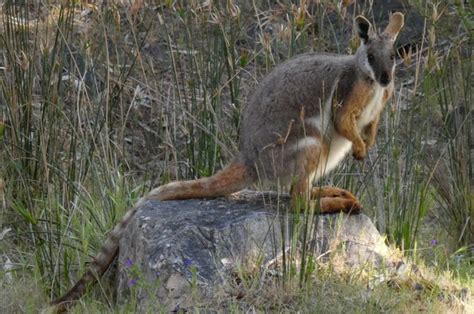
(302, 120)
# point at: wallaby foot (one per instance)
(333, 200)
(337, 204)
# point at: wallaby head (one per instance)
(376, 56)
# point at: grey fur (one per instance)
(305, 83)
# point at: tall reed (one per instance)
(63, 181)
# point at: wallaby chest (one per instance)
(373, 105)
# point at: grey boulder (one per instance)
(174, 250)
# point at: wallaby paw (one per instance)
(359, 151)
(359, 155)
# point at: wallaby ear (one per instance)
(394, 26)
(363, 27)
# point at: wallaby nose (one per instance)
(384, 79)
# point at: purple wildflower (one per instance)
(128, 263)
(131, 282)
(187, 262)
(434, 242)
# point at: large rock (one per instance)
(173, 249)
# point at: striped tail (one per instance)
(231, 179)
(99, 265)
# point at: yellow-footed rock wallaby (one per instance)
(302, 120)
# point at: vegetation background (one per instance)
(100, 102)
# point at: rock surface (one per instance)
(173, 249)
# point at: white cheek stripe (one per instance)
(369, 68)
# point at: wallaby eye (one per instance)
(392, 56)
(371, 58)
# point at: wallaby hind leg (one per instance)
(343, 200)
(300, 192)
(306, 161)
(332, 199)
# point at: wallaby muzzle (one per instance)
(385, 78)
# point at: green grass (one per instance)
(99, 104)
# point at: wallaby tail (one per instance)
(232, 178)
(99, 265)
(235, 177)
